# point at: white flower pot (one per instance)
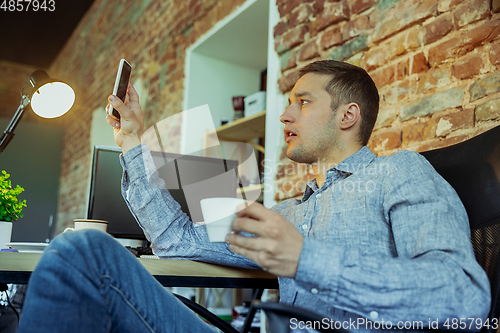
(5, 233)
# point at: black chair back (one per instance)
(473, 169)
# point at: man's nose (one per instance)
(286, 117)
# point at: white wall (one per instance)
(213, 82)
(274, 107)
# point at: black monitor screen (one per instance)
(188, 179)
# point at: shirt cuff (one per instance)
(312, 273)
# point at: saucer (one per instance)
(28, 247)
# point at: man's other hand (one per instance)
(277, 246)
(128, 130)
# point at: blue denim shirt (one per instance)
(385, 238)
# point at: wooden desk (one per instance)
(17, 268)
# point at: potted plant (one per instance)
(10, 207)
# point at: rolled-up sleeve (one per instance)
(166, 226)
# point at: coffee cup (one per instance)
(81, 224)
(218, 213)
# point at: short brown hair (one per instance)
(349, 84)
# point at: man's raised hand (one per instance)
(128, 130)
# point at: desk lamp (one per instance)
(49, 98)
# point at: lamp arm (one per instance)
(8, 134)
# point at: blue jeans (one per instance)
(88, 282)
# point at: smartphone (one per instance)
(121, 84)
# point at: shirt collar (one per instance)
(357, 161)
(354, 163)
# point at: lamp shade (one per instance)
(51, 98)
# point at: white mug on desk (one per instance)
(81, 224)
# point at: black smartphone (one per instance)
(121, 84)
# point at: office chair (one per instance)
(473, 169)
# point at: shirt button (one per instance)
(314, 291)
(318, 196)
(374, 315)
(304, 226)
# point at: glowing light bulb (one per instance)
(52, 100)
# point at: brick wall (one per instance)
(153, 37)
(436, 64)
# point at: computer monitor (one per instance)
(188, 179)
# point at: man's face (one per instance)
(310, 123)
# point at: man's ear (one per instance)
(350, 115)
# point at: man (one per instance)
(381, 238)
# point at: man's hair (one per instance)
(350, 84)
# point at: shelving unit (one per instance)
(229, 61)
(250, 190)
(244, 130)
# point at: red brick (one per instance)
(333, 12)
(397, 45)
(463, 44)
(419, 63)
(300, 15)
(287, 6)
(494, 55)
(280, 172)
(471, 11)
(358, 6)
(447, 49)
(383, 76)
(386, 139)
(291, 39)
(488, 110)
(288, 60)
(420, 131)
(318, 7)
(436, 144)
(376, 57)
(438, 28)
(331, 38)
(433, 79)
(224, 8)
(447, 5)
(280, 28)
(284, 149)
(495, 6)
(402, 15)
(452, 122)
(400, 91)
(287, 82)
(413, 38)
(401, 69)
(483, 33)
(309, 51)
(168, 57)
(467, 67)
(355, 27)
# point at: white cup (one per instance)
(81, 224)
(218, 214)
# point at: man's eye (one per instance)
(303, 101)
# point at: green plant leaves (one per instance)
(10, 206)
